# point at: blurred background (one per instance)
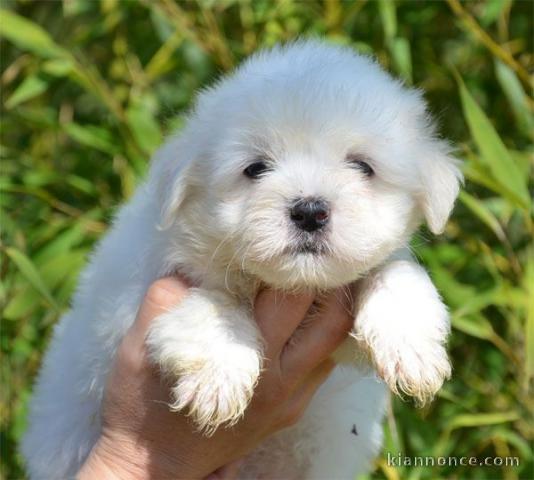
(91, 87)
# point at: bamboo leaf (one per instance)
(481, 419)
(28, 35)
(23, 302)
(389, 18)
(400, 51)
(92, 136)
(494, 154)
(477, 173)
(529, 324)
(475, 326)
(30, 88)
(483, 213)
(144, 127)
(28, 270)
(55, 271)
(58, 67)
(62, 242)
(492, 10)
(516, 97)
(517, 441)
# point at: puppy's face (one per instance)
(304, 180)
(307, 208)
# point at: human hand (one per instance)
(141, 438)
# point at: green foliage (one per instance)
(89, 89)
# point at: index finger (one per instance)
(160, 297)
(278, 314)
(324, 331)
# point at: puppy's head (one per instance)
(306, 168)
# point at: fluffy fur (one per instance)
(305, 109)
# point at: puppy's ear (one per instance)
(441, 179)
(174, 191)
(171, 177)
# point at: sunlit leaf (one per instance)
(65, 264)
(63, 242)
(529, 324)
(517, 441)
(58, 67)
(492, 9)
(23, 302)
(400, 51)
(480, 419)
(28, 270)
(92, 136)
(144, 127)
(30, 88)
(475, 326)
(28, 35)
(481, 211)
(516, 97)
(493, 152)
(389, 18)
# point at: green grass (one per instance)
(90, 88)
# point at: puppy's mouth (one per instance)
(307, 246)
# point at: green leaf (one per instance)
(28, 35)
(144, 127)
(529, 324)
(28, 270)
(483, 213)
(62, 242)
(57, 270)
(480, 301)
(492, 9)
(400, 51)
(40, 178)
(22, 303)
(517, 441)
(516, 97)
(455, 293)
(163, 61)
(92, 136)
(524, 160)
(58, 67)
(475, 326)
(481, 419)
(477, 173)
(494, 154)
(30, 88)
(76, 7)
(388, 16)
(81, 184)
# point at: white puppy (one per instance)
(309, 168)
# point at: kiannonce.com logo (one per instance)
(400, 460)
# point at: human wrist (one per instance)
(110, 462)
(123, 459)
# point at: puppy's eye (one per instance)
(360, 162)
(254, 170)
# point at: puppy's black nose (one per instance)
(310, 214)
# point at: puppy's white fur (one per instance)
(303, 108)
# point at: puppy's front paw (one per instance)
(416, 370)
(217, 391)
(404, 325)
(210, 351)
